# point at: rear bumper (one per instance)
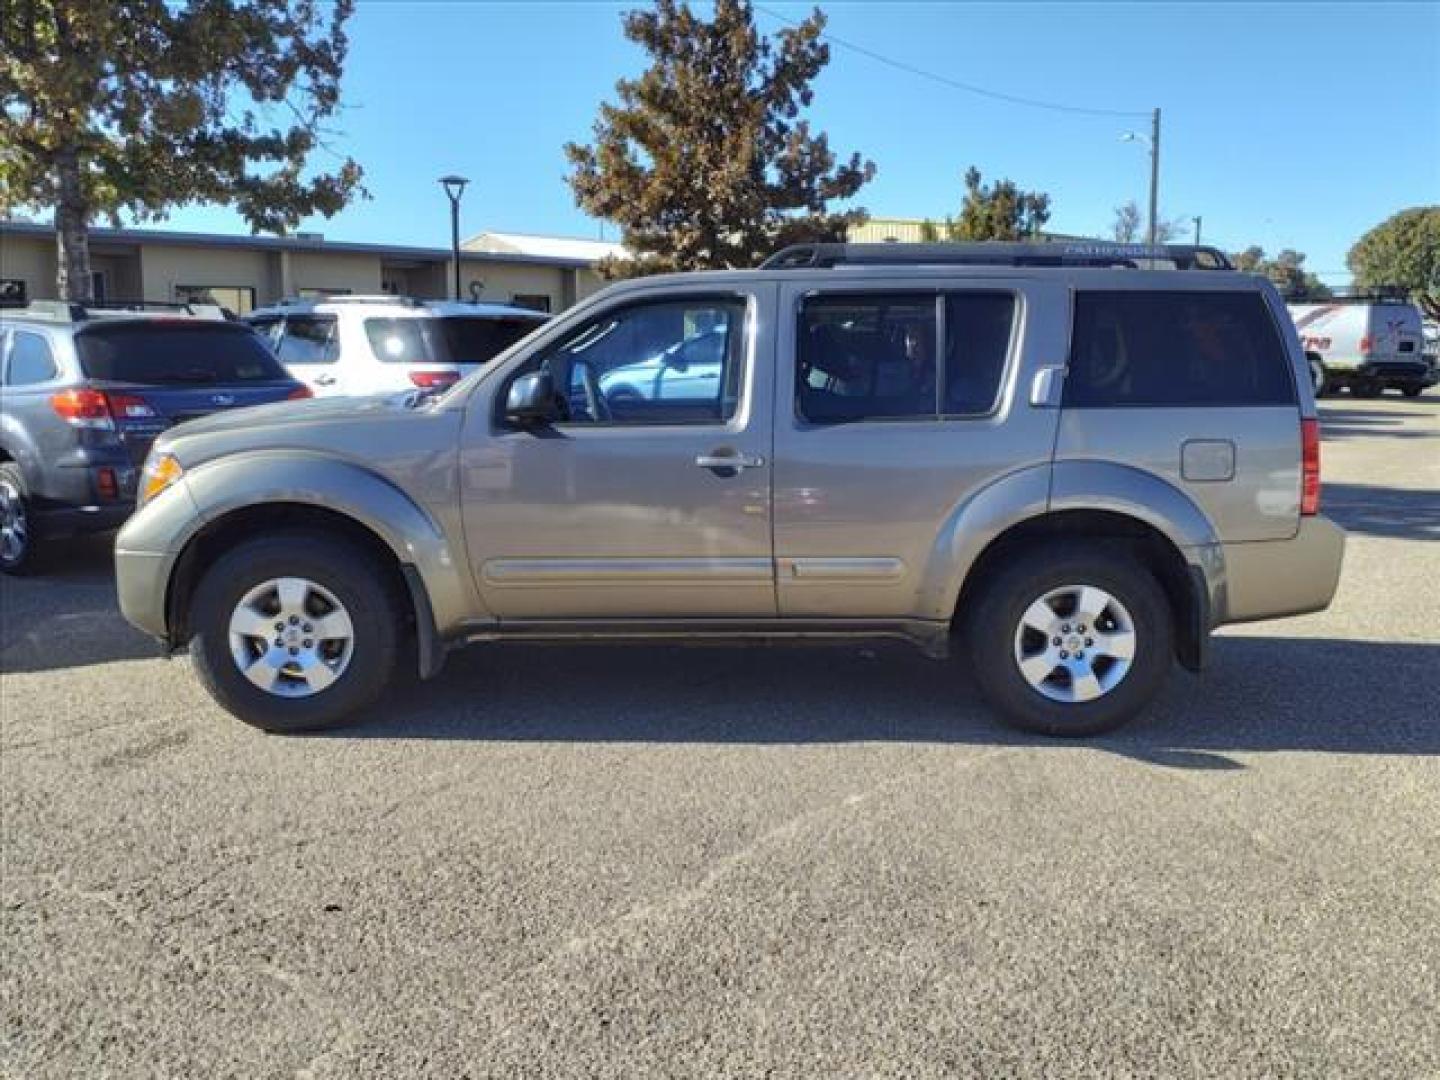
(93, 518)
(1275, 578)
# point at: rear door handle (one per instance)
(733, 462)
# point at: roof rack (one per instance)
(74, 311)
(351, 298)
(1352, 294)
(1000, 253)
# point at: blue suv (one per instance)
(85, 393)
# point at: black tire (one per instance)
(1319, 380)
(1412, 390)
(19, 531)
(991, 625)
(341, 568)
(1367, 388)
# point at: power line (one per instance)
(955, 84)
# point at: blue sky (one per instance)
(1287, 125)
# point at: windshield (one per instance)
(176, 351)
(446, 340)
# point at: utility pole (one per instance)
(1154, 175)
(1197, 230)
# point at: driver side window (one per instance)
(670, 362)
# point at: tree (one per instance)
(1402, 250)
(929, 232)
(1286, 270)
(998, 211)
(1127, 227)
(705, 162)
(136, 106)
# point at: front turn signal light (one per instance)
(161, 470)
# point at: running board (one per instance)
(931, 638)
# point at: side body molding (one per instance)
(287, 476)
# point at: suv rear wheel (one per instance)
(1071, 639)
(294, 632)
(17, 525)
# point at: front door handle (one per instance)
(324, 380)
(731, 463)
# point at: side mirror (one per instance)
(530, 401)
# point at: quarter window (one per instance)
(30, 360)
(867, 356)
(1177, 349)
(675, 362)
(309, 339)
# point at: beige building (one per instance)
(246, 272)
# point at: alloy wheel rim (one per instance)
(14, 527)
(291, 637)
(1075, 644)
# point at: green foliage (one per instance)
(1286, 270)
(998, 211)
(136, 106)
(1402, 250)
(705, 162)
(929, 232)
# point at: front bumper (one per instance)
(146, 551)
(1271, 579)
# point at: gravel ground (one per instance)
(742, 861)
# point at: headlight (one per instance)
(161, 470)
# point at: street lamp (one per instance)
(1153, 142)
(455, 187)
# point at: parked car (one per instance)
(895, 446)
(358, 345)
(87, 390)
(1367, 341)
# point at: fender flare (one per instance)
(240, 481)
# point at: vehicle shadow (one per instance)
(1348, 423)
(65, 614)
(1260, 694)
(1397, 513)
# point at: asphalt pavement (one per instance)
(829, 862)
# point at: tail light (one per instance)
(83, 408)
(129, 407)
(1366, 343)
(300, 393)
(434, 380)
(96, 409)
(1309, 467)
(107, 484)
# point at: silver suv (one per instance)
(1065, 463)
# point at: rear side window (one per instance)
(1176, 349)
(309, 339)
(169, 353)
(30, 360)
(457, 340)
(874, 357)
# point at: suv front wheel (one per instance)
(294, 632)
(1071, 639)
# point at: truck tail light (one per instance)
(1309, 467)
(434, 380)
(1366, 343)
(107, 484)
(83, 408)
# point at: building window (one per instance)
(99, 292)
(533, 301)
(13, 292)
(239, 299)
